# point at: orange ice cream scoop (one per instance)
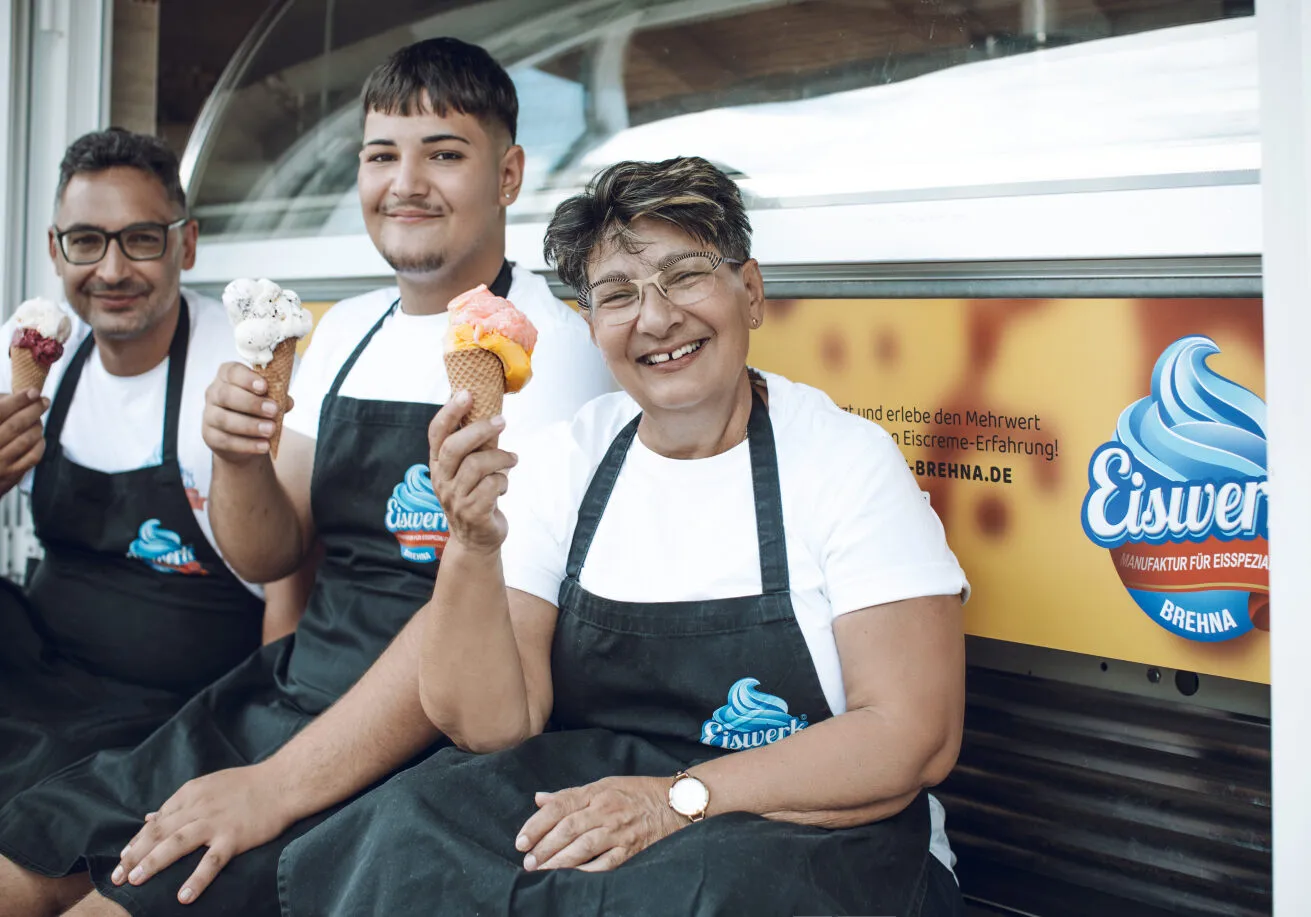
(481, 320)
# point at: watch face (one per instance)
(689, 796)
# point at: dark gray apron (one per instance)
(640, 689)
(130, 612)
(365, 592)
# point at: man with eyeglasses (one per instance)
(132, 608)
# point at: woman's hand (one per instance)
(468, 474)
(598, 826)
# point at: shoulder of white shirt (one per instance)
(204, 313)
(813, 418)
(528, 291)
(354, 316)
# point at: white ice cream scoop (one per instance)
(44, 317)
(264, 315)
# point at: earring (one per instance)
(755, 323)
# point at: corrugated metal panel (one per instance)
(1071, 801)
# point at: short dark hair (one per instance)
(116, 147)
(689, 192)
(453, 74)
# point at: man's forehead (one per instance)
(421, 122)
(119, 194)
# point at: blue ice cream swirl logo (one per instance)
(163, 550)
(751, 718)
(1188, 462)
(416, 518)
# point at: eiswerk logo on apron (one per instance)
(750, 719)
(164, 551)
(416, 518)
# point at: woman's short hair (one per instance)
(446, 74)
(688, 192)
(115, 148)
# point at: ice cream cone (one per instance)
(482, 375)
(278, 376)
(27, 372)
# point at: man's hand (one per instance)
(22, 439)
(239, 419)
(598, 826)
(469, 474)
(229, 811)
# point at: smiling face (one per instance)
(434, 188)
(676, 358)
(122, 299)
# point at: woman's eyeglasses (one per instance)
(684, 280)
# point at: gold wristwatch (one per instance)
(688, 796)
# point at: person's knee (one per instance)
(27, 894)
(93, 905)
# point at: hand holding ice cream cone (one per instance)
(267, 321)
(488, 350)
(38, 342)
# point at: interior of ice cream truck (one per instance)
(1022, 236)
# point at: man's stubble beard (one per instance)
(425, 264)
(137, 325)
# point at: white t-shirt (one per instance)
(116, 423)
(404, 361)
(857, 528)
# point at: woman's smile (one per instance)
(673, 358)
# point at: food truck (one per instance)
(1025, 237)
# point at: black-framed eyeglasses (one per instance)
(684, 279)
(84, 245)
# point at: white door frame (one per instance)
(68, 76)
(1284, 41)
(13, 98)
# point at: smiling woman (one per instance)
(777, 683)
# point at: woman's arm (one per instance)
(485, 676)
(485, 680)
(903, 666)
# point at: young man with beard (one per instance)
(132, 608)
(234, 772)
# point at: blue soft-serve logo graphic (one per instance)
(1179, 498)
(750, 719)
(164, 551)
(416, 518)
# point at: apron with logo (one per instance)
(366, 454)
(641, 689)
(130, 612)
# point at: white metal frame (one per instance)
(1285, 43)
(1137, 223)
(13, 111)
(69, 86)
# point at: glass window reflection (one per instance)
(808, 103)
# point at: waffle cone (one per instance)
(278, 376)
(27, 372)
(482, 375)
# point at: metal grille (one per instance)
(1071, 801)
(18, 541)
